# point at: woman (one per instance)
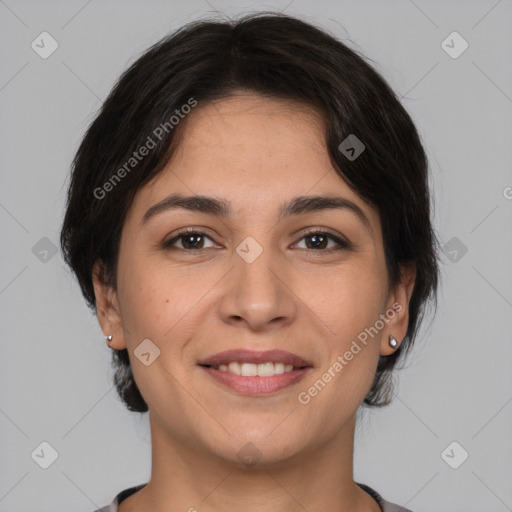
(249, 218)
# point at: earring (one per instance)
(108, 339)
(392, 342)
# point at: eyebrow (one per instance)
(221, 208)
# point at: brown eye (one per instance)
(319, 240)
(189, 240)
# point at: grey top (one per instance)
(386, 506)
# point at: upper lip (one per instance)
(255, 357)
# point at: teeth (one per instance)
(266, 369)
(279, 368)
(251, 370)
(235, 368)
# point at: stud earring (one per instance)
(392, 342)
(108, 339)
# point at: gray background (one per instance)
(55, 375)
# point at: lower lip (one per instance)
(256, 385)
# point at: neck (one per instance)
(189, 480)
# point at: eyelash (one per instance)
(342, 244)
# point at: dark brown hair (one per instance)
(277, 56)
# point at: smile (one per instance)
(252, 370)
(256, 373)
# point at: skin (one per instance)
(255, 153)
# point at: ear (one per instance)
(107, 307)
(398, 303)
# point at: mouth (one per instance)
(256, 373)
(267, 369)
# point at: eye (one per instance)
(319, 240)
(316, 240)
(189, 240)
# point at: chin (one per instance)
(258, 447)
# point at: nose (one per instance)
(259, 294)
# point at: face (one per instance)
(299, 279)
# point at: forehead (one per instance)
(251, 150)
(251, 132)
(254, 111)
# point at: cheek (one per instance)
(347, 301)
(161, 305)
(148, 303)
(355, 300)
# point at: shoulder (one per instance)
(391, 507)
(113, 507)
(386, 506)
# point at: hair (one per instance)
(279, 57)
